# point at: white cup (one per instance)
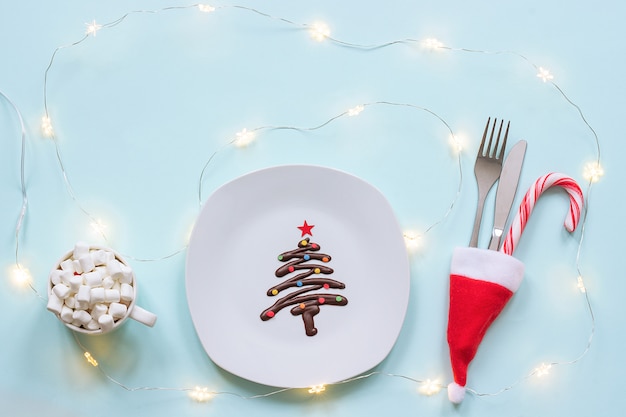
(133, 311)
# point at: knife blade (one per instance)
(505, 194)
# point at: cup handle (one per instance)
(143, 316)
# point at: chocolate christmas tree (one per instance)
(304, 262)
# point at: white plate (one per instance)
(233, 256)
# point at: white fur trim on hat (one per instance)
(456, 393)
(487, 265)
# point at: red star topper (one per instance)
(306, 228)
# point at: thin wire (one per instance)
(244, 397)
(341, 115)
(206, 165)
(555, 85)
(407, 41)
(23, 210)
(583, 227)
(22, 215)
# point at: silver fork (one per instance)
(487, 170)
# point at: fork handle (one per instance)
(479, 215)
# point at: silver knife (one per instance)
(507, 186)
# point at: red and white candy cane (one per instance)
(543, 183)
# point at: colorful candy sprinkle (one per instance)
(321, 300)
(314, 245)
(280, 257)
(291, 269)
(325, 259)
(338, 298)
(317, 270)
(274, 291)
(299, 283)
(326, 286)
(303, 243)
(306, 257)
(302, 305)
(270, 314)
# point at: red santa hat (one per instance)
(481, 283)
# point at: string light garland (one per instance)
(593, 171)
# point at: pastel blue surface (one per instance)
(140, 108)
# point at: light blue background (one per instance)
(139, 109)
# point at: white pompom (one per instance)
(456, 393)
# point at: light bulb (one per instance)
(92, 28)
(432, 44)
(46, 127)
(244, 138)
(457, 143)
(542, 370)
(412, 240)
(429, 387)
(206, 8)
(319, 31)
(91, 359)
(98, 227)
(593, 171)
(317, 389)
(544, 74)
(20, 275)
(356, 110)
(201, 394)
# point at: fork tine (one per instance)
(482, 142)
(490, 151)
(506, 135)
(494, 151)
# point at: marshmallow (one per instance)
(93, 278)
(114, 269)
(61, 290)
(83, 295)
(96, 295)
(92, 325)
(111, 296)
(127, 293)
(117, 310)
(107, 282)
(66, 277)
(67, 314)
(80, 249)
(106, 322)
(98, 310)
(127, 275)
(75, 282)
(81, 317)
(68, 265)
(55, 276)
(70, 301)
(101, 257)
(86, 263)
(81, 305)
(55, 304)
(77, 267)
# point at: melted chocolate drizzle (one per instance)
(305, 304)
